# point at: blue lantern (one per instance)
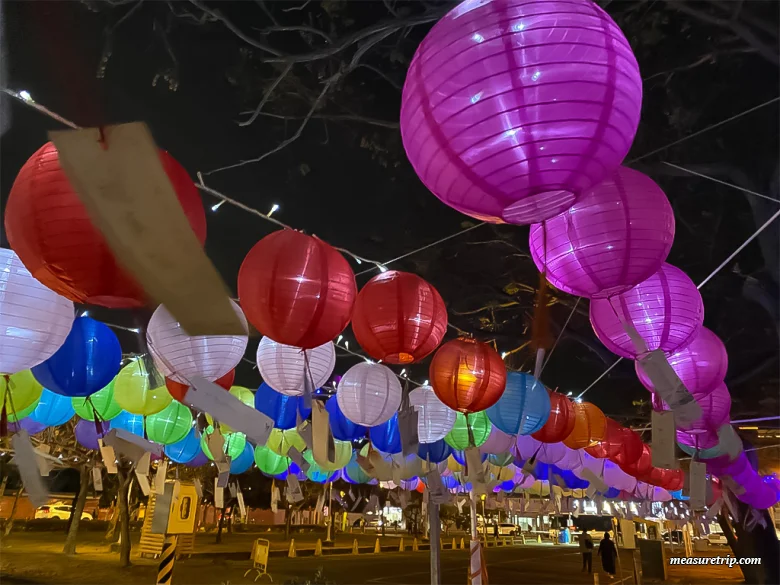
(244, 461)
(318, 475)
(185, 450)
(132, 423)
(434, 452)
(53, 409)
(612, 493)
(87, 361)
(198, 461)
(282, 409)
(507, 486)
(449, 482)
(460, 457)
(353, 473)
(523, 407)
(342, 428)
(387, 437)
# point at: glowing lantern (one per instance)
(34, 321)
(86, 362)
(87, 434)
(715, 410)
(614, 237)
(523, 407)
(178, 390)
(500, 459)
(399, 318)
(467, 375)
(102, 402)
(386, 437)
(560, 422)
(434, 418)
(296, 289)
(132, 423)
(233, 446)
(701, 365)
(15, 416)
(590, 426)
(666, 310)
(132, 391)
(184, 450)
(497, 442)
(66, 252)
(19, 391)
(245, 395)
(353, 473)
(269, 462)
(342, 428)
(511, 109)
(244, 461)
(317, 474)
(280, 441)
(52, 409)
(612, 443)
(369, 394)
(458, 438)
(641, 465)
(170, 425)
(284, 366)
(343, 455)
(282, 409)
(32, 427)
(632, 448)
(198, 461)
(434, 452)
(179, 356)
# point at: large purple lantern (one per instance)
(614, 237)
(512, 108)
(715, 410)
(701, 365)
(666, 310)
(88, 432)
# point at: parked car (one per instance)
(717, 538)
(58, 512)
(508, 530)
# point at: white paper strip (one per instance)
(663, 439)
(26, 462)
(131, 445)
(97, 479)
(294, 492)
(698, 484)
(669, 387)
(159, 478)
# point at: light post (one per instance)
(484, 519)
(329, 535)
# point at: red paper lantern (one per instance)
(560, 423)
(632, 448)
(642, 465)
(178, 390)
(612, 444)
(399, 318)
(296, 289)
(590, 426)
(51, 231)
(467, 375)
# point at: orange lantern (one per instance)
(590, 426)
(178, 390)
(467, 375)
(611, 445)
(399, 318)
(50, 230)
(296, 289)
(560, 423)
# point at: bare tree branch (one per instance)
(305, 29)
(382, 75)
(708, 58)
(296, 8)
(334, 117)
(267, 95)
(216, 14)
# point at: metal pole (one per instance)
(475, 549)
(329, 535)
(434, 529)
(484, 519)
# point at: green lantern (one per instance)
(280, 441)
(19, 391)
(132, 391)
(317, 474)
(501, 460)
(343, 455)
(20, 414)
(269, 462)
(101, 401)
(234, 443)
(458, 437)
(170, 425)
(245, 395)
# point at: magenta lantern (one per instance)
(614, 237)
(666, 310)
(715, 410)
(512, 108)
(701, 365)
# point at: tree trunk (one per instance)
(10, 522)
(288, 523)
(73, 503)
(125, 477)
(76, 511)
(111, 532)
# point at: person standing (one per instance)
(608, 553)
(586, 549)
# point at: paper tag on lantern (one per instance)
(294, 492)
(729, 442)
(474, 470)
(304, 430)
(383, 471)
(215, 441)
(159, 477)
(109, 457)
(308, 383)
(663, 439)
(131, 445)
(143, 483)
(669, 387)
(219, 495)
(275, 497)
(373, 503)
(223, 406)
(596, 482)
(591, 491)
(365, 464)
(323, 447)
(97, 479)
(320, 503)
(26, 462)
(407, 426)
(241, 504)
(224, 477)
(403, 499)
(298, 459)
(528, 466)
(119, 177)
(198, 488)
(698, 485)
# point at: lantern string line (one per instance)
(709, 277)
(560, 334)
(713, 179)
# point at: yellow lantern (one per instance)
(132, 391)
(20, 391)
(280, 441)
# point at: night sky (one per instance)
(348, 181)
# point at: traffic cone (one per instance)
(538, 539)
(377, 547)
(415, 547)
(318, 548)
(355, 547)
(462, 544)
(401, 545)
(291, 550)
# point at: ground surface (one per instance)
(36, 558)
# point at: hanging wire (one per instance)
(713, 179)
(560, 334)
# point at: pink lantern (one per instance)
(615, 236)
(666, 310)
(701, 366)
(526, 446)
(696, 441)
(512, 108)
(715, 410)
(552, 453)
(497, 442)
(616, 477)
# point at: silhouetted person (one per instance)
(608, 553)
(586, 549)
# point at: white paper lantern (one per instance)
(282, 366)
(434, 418)
(179, 356)
(34, 321)
(497, 442)
(369, 394)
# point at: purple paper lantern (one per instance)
(701, 366)
(512, 108)
(614, 237)
(198, 461)
(666, 310)
(87, 433)
(33, 427)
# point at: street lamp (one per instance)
(484, 519)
